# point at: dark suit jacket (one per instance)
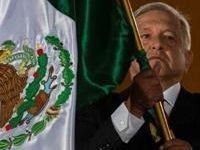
(95, 131)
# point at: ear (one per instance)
(188, 59)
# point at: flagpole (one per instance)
(158, 106)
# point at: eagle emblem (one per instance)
(34, 84)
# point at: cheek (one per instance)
(146, 46)
(178, 62)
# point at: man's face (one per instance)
(160, 33)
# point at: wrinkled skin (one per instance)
(161, 34)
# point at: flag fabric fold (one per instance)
(59, 52)
(105, 44)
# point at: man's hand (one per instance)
(176, 144)
(145, 92)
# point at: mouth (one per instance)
(158, 60)
(156, 57)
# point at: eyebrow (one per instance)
(145, 28)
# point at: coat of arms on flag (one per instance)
(34, 84)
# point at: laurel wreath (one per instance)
(38, 127)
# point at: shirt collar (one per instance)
(171, 94)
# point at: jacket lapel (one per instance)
(182, 114)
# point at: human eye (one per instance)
(170, 36)
(145, 36)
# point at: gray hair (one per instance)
(186, 39)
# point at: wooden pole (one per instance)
(158, 106)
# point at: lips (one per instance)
(156, 57)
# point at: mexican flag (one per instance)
(56, 55)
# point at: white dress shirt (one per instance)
(127, 125)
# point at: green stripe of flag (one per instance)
(105, 46)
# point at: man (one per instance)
(121, 122)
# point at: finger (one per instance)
(146, 82)
(134, 69)
(177, 147)
(155, 92)
(147, 73)
(152, 80)
(177, 143)
(145, 78)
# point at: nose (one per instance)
(156, 44)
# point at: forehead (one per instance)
(158, 17)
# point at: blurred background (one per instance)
(191, 9)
